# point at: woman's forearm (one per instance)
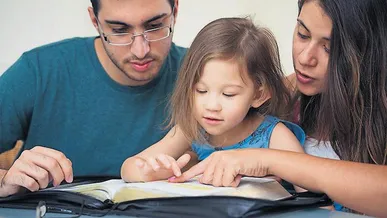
(362, 187)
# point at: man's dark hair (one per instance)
(96, 5)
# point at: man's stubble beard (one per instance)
(127, 61)
(155, 59)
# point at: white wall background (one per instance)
(26, 24)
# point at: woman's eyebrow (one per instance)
(303, 24)
(306, 28)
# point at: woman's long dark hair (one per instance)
(352, 111)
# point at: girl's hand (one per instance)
(161, 163)
(226, 168)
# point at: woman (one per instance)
(340, 59)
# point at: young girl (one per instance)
(340, 60)
(228, 92)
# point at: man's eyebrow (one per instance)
(156, 17)
(116, 22)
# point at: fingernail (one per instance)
(70, 179)
(172, 178)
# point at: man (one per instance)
(90, 102)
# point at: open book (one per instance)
(91, 196)
(117, 190)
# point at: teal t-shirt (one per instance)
(59, 96)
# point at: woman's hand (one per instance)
(226, 168)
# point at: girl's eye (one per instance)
(229, 95)
(201, 91)
(302, 36)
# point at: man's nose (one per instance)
(139, 47)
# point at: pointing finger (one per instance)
(194, 171)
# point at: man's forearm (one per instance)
(362, 187)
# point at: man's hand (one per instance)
(161, 164)
(35, 169)
(226, 168)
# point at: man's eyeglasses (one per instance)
(151, 35)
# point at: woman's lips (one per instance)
(302, 78)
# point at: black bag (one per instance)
(204, 206)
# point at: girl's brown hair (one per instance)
(231, 39)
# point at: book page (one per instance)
(101, 191)
(119, 191)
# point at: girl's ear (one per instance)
(261, 97)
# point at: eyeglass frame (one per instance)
(134, 35)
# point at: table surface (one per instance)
(315, 213)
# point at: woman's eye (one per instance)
(302, 36)
(327, 50)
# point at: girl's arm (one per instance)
(283, 139)
(141, 167)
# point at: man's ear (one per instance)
(175, 12)
(93, 18)
(261, 96)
